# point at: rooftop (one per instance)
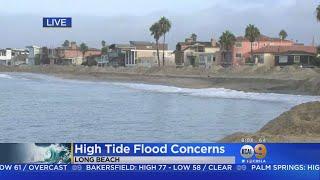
(262, 38)
(204, 43)
(146, 45)
(287, 49)
(141, 43)
(120, 46)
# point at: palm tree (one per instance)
(155, 30)
(194, 37)
(227, 40)
(83, 48)
(252, 33)
(318, 12)
(103, 43)
(105, 48)
(66, 43)
(165, 27)
(283, 34)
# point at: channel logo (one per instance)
(57, 22)
(247, 151)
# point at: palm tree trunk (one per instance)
(251, 52)
(164, 41)
(83, 57)
(157, 42)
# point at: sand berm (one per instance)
(299, 124)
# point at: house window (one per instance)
(238, 55)
(202, 59)
(283, 59)
(238, 45)
(260, 59)
(296, 59)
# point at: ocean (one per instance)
(42, 108)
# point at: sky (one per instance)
(119, 21)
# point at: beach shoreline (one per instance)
(283, 83)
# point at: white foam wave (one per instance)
(6, 76)
(223, 93)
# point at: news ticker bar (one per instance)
(158, 167)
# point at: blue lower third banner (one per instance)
(231, 160)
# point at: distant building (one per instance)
(17, 51)
(145, 54)
(34, 51)
(93, 60)
(285, 55)
(19, 59)
(5, 56)
(45, 53)
(13, 56)
(196, 53)
(119, 55)
(69, 55)
(240, 52)
(139, 53)
(103, 61)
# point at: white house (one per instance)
(144, 53)
(5, 56)
(33, 52)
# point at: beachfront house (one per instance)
(103, 60)
(94, 60)
(34, 53)
(119, 55)
(13, 56)
(67, 55)
(196, 53)
(145, 54)
(240, 53)
(139, 53)
(19, 59)
(5, 56)
(285, 55)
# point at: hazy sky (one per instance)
(119, 21)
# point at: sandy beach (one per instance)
(289, 80)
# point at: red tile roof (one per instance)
(286, 49)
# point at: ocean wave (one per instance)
(223, 93)
(53, 153)
(6, 76)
